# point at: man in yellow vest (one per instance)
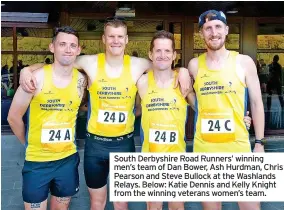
(223, 81)
(164, 109)
(51, 162)
(112, 78)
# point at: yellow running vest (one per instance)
(164, 115)
(222, 104)
(112, 101)
(51, 120)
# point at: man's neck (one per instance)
(217, 55)
(61, 71)
(114, 61)
(163, 76)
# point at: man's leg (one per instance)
(98, 198)
(249, 205)
(176, 205)
(65, 183)
(211, 205)
(36, 181)
(59, 203)
(154, 205)
(124, 146)
(36, 206)
(96, 169)
(120, 205)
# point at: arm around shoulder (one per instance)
(140, 66)
(193, 67)
(86, 63)
(142, 85)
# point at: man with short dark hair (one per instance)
(223, 80)
(51, 162)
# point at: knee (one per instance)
(212, 206)
(120, 206)
(96, 205)
(178, 208)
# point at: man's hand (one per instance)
(184, 80)
(247, 120)
(258, 148)
(27, 80)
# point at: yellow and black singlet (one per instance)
(52, 120)
(112, 101)
(164, 115)
(221, 107)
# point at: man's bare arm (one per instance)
(255, 97)
(17, 110)
(138, 108)
(142, 85)
(27, 80)
(191, 99)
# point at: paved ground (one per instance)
(11, 181)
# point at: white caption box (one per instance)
(196, 177)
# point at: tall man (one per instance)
(112, 78)
(223, 79)
(51, 162)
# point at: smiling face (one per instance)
(214, 33)
(115, 40)
(162, 54)
(65, 48)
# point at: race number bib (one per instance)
(163, 136)
(57, 137)
(217, 126)
(112, 117)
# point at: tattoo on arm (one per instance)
(64, 201)
(81, 86)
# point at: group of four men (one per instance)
(53, 94)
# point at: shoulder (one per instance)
(140, 62)
(193, 66)
(142, 85)
(244, 59)
(86, 59)
(246, 62)
(142, 81)
(39, 74)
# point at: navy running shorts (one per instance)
(60, 177)
(96, 156)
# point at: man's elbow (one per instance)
(12, 119)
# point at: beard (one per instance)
(215, 47)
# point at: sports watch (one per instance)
(261, 141)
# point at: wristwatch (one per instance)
(261, 141)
